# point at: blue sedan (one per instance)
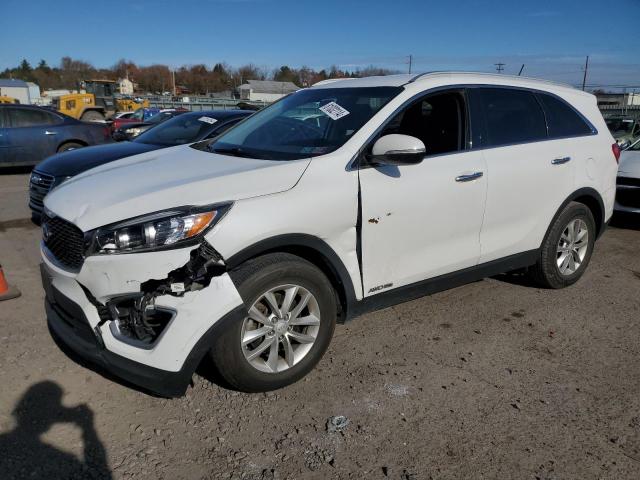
(29, 134)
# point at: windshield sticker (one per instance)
(334, 111)
(208, 120)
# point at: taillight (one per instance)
(616, 151)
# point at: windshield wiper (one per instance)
(235, 151)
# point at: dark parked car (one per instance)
(131, 130)
(29, 134)
(140, 115)
(186, 128)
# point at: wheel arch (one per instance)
(71, 140)
(312, 249)
(592, 199)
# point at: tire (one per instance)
(253, 279)
(69, 146)
(547, 272)
(92, 116)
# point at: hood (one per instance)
(629, 164)
(167, 178)
(73, 162)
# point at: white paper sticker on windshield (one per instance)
(334, 111)
(208, 120)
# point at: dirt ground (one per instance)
(495, 379)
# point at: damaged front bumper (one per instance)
(90, 312)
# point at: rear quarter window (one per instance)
(562, 119)
(506, 116)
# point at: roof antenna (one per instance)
(521, 69)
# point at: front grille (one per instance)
(64, 240)
(39, 185)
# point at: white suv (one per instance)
(339, 199)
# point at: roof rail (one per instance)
(418, 76)
(331, 80)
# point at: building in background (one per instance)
(125, 86)
(25, 92)
(618, 99)
(265, 90)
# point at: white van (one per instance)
(339, 199)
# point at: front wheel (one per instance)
(567, 248)
(291, 316)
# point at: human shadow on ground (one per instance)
(23, 454)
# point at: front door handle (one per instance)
(47, 132)
(560, 161)
(469, 177)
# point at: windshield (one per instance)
(620, 125)
(179, 130)
(305, 124)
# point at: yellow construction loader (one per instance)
(97, 103)
(5, 99)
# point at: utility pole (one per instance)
(521, 69)
(586, 68)
(173, 79)
(410, 62)
(500, 67)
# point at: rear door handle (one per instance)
(469, 177)
(47, 132)
(560, 161)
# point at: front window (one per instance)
(305, 124)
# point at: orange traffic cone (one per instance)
(7, 292)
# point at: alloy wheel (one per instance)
(572, 246)
(281, 327)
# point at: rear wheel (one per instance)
(69, 146)
(92, 116)
(289, 324)
(567, 248)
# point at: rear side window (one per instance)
(562, 120)
(31, 118)
(504, 116)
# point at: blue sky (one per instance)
(550, 37)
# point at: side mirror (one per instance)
(396, 149)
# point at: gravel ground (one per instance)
(495, 379)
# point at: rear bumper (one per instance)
(627, 198)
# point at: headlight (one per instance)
(133, 132)
(158, 230)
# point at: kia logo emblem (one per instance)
(46, 232)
